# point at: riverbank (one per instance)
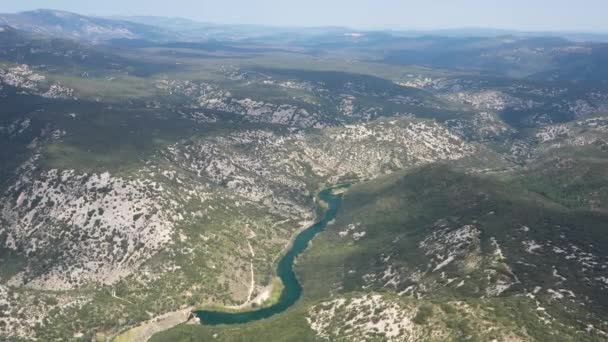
(145, 330)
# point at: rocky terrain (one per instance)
(100, 227)
(144, 178)
(28, 81)
(393, 320)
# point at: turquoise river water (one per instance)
(293, 289)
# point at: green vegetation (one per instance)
(230, 141)
(424, 313)
(275, 294)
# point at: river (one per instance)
(293, 289)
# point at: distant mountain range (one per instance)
(75, 26)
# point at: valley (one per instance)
(145, 175)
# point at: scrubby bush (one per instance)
(425, 311)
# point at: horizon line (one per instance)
(372, 28)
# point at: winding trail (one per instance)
(252, 286)
(113, 294)
(249, 300)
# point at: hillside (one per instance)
(74, 26)
(440, 255)
(145, 174)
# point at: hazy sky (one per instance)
(581, 15)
